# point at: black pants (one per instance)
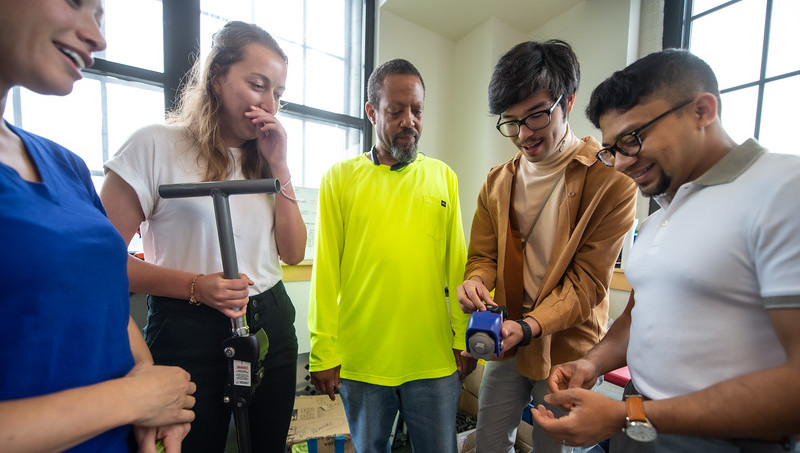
(189, 336)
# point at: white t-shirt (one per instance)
(701, 268)
(181, 233)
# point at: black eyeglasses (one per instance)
(534, 121)
(630, 144)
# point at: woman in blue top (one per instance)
(75, 373)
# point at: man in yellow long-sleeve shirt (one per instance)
(389, 241)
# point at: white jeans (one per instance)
(503, 396)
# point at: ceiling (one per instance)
(455, 18)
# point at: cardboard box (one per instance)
(524, 437)
(472, 383)
(466, 441)
(468, 403)
(468, 399)
(321, 420)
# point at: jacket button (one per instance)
(571, 194)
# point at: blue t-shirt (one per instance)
(64, 304)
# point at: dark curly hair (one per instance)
(671, 74)
(534, 66)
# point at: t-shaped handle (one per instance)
(219, 192)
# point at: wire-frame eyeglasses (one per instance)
(534, 121)
(630, 144)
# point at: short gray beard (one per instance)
(405, 156)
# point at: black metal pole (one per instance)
(237, 347)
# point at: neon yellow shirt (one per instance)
(387, 245)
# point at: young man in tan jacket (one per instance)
(548, 228)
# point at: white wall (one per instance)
(433, 56)
(298, 292)
(602, 34)
(476, 145)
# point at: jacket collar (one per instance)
(586, 154)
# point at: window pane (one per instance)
(94, 120)
(8, 113)
(783, 38)
(209, 24)
(326, 26)
(74, 121)
(780, 115)
(130, 107)
(741, 28)
(227, 10)
(281, 19)
(320, 51)
(295, 87)
(135, 33)
(332, 144)
(326, 75)
(295, 145)
(739, 113)
(326, 144)
(699, 6)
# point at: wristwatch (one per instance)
(526, 332)
(637, 426)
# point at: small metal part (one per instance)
(482, 345)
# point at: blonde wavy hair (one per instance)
(198, 106)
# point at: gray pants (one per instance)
(503, 396)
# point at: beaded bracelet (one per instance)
(192, 300)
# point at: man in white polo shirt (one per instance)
(710, 334)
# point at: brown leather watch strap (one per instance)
(635, 407)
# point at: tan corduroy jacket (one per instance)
(572, 303)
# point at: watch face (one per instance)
(641, 431)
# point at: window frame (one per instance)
(181, 31)
(678, 21)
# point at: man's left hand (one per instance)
(592, 417)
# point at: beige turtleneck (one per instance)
(534, 181)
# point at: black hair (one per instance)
(530, 67)
(672, 74)
(397, 66)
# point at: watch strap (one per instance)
(634, 405)
(527, 334)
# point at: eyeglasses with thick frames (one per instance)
(630, 144)
(534, 121)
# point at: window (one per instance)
(750, 46)
(150, 47)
